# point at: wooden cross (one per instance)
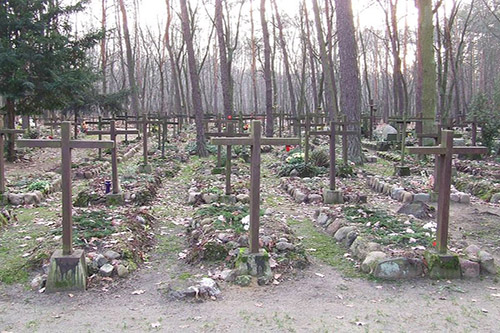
(331, 133)
(256, 141)
(164, 132)
(229, 133)
(371, 119)
(4, 132)
(345, 132)
(145, 122)
(444, 155)
(66, 144)
(474, 122)
(99, 124)
(307, 127)
(113, 132)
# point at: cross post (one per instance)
(113, 132)
(229, 133)
(3, 132)
(66, 145)
(256, 141)
(444, 155)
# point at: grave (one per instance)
(116, 196)
(332, 195)
(145, 167)
(68, 269)
(261, 258)
(229, 133)
(443, 265)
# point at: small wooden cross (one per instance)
(113, 132)
(371, 119)
(256, 141)
(344, 132)
(444, 155)
(145, 122)
(3, 132)
(66, 145)
(229, 133)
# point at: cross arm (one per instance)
(228, 141)
(320, 132)
(39, 143)
(11, 131)
(280, 141)
(97, 132)
(124, 131)
(91, 144)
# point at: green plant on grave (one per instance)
(295, 158)
(345, 170)
(32, 133)
(95, 224)
(227, 216)
(320, 158)
(213, 190)
(39, 185)
(191, 148)
(303, 170)
(487, 112)
(386, 229)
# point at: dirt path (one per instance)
(314, 300)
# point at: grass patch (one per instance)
(327, 250)
(24, 244)
(231, 216)
(386, 229)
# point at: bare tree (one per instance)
(195, 81)
(267, 71)
(350, 85)
(130, 60)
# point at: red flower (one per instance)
(229, 117)
(287, 147)
(434, 243)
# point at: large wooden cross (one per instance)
(256, 141)
(4, 132)
(444, 155)
(66, 145)
(113, 132)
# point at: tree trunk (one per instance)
(286, 61)
(267, 71)
(173, 67)
(331, 104)
(10, 124)
(130, 60)
(104, 58)
(254, 60)
(425, 102)
(224, 68)
(195, 81)
(350, 85)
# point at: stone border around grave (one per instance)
(34, 197)
(374, 261)
(93, 172)
(400, 194)
(299, 196)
